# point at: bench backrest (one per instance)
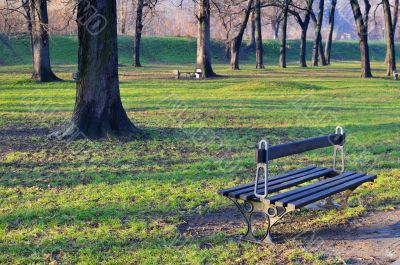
(287, 149)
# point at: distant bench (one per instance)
(197, 74)
(75, 76)
(254, 198)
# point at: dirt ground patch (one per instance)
(370, 239)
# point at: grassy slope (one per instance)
(173, 50)
(113, 202)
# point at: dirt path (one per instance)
(371, 239)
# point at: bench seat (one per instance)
(279, 182)
(300, 196)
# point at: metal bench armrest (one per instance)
(262, 165)
(340, 148)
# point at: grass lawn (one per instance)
(129, 202)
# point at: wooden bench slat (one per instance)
(298, 147)
(280, 196)
(326, 193)
(299, 194)
(275, 181)
(293, 172)
(289, 184)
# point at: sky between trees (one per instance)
(169, 18)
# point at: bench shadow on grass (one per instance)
(197, 230)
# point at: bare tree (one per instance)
(258, 33)
(40, 42)
(390, 49)
(226, 17)
(98, 108)
(304, 23)
(123, 15)
(331, 24)
(395, 15)
(276, 19)
(141, 14)
(138, 32)
(317, 45)
(283, 34)
(204, 38)
(236, 42)
(362, 31)
(36, 19)
(252, 31)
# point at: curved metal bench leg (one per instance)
(272, 214)
(344, 203)
(246, 216)
(330, 204)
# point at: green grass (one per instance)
(117, 202)
(174, 50)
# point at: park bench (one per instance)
(318, 184)
(75, 76)
(197, 74)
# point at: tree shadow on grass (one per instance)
(165, 154)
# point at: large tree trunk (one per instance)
(316, 52)
(259, 44)
(282, 36)
(236, 42)
(252, 31)
(138, 33)
(98, 109)
(204, 39)
(390, 49)
(362, 31)
(331, 21)
(42, 71)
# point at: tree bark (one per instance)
(276, 28)
(390, 49)
(303, 47)
(236, 42)
(98, 109)
(331, 21)
(204, 39)
(38, 26)
(362, 32)
(316, 52)
(259, 44)
(138, 33)
(304, 28)
(123, 14)
(321, 54)
(395, 16)
(282, 36)
(252, 31)
(276, 22)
